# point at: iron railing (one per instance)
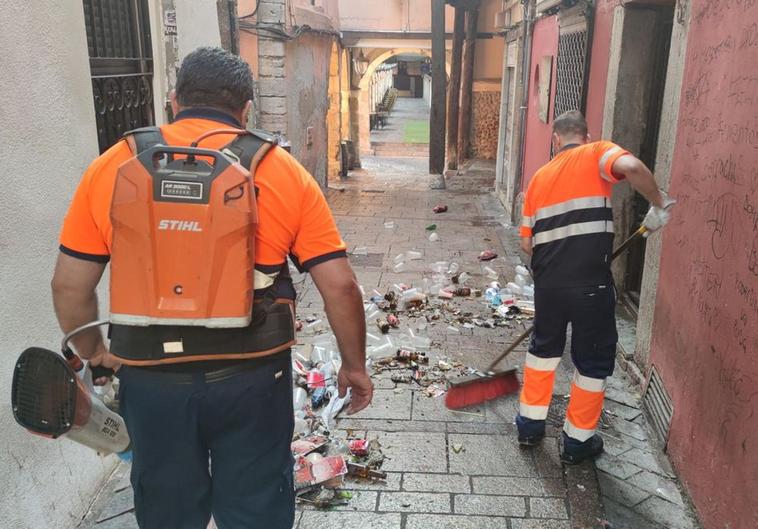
(570, 72)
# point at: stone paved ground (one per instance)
(458, 470)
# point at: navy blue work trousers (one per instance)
(205, 447)
(591, 312)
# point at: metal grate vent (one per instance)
(570, 71)
(658, 406)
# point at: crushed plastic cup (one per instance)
(399, 267)
(390, 225)
(413, 255)
(520, 269)
(301, 427)
(454, 267)
(440, 267)
(299, 397)
(433, 237)
(491, 274)
(319, 355)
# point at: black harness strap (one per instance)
(141, 139)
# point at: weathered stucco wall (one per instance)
(307, 86)
(538, 134)
(599, 66)
(705, 333)
(390, 15)
(199, 23)
(48, 138)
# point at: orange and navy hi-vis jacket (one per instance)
(567, 213)
(293, 220)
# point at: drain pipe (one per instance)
(526, 53)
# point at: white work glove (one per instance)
(657, 217)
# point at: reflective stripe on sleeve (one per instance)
(589, 384)
(604, 159)
(571, 205)
(580, 434)
(580, 228)
(527, 222)
(531, 411)
(541, 364)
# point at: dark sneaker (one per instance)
(530, 431)
(530, 440)
(574, 452)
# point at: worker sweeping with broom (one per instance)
(567, 229)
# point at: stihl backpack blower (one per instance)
(53, 396)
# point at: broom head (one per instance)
(472, 390)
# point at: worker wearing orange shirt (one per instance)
(191, 395)
(567, 229)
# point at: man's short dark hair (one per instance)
(213, 77)
(571, 123)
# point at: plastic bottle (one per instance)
(413, 255)
(520, 269)
(491, 274)
(520, 280)
(433, 237)
(399, 267)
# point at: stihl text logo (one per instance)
(179, 225)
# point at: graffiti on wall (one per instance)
(707, 316)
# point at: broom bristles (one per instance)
(481, 391)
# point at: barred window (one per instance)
(121, 66)
(570, 72)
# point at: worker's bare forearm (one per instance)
(344, 309)
(73, 309)
(640, 178)
(75, 300)
(346, 316)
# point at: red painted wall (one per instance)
(538, 134)
(705, 336)
(601, 49)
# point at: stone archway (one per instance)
(377, 57)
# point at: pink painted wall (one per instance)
(538, 134)
(601, 48)
(705, 335)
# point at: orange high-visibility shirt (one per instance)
(567, 213)
(294, 218)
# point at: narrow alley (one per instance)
(435, 131)
(458, 469)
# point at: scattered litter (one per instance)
(390, 225)
(458, 448)
(487, 255)
(360, 250)
(431, 227)
(440, 208)
(308, 474)
(580, 486)
(433, 237)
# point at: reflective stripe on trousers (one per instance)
(585, 407)
(539, 377)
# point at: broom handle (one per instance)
(618, 251)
